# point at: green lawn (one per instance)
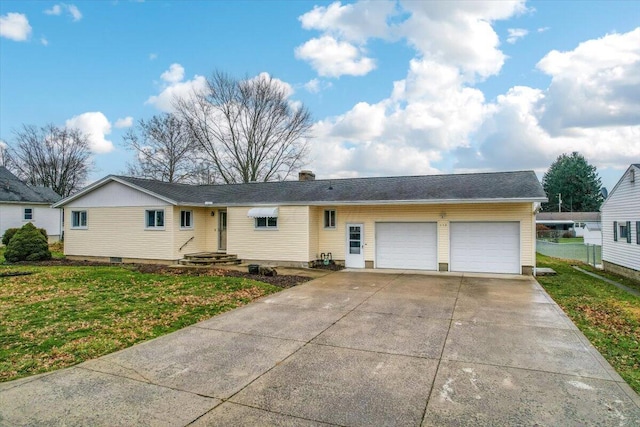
(608, 316)
(63, 315)
(571, 240)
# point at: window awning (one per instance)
(263, 212)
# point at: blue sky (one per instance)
(395, 88)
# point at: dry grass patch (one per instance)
(60, 316)
(609, 317)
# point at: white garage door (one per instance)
(411, 245)
(485, 247)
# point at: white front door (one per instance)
(354, 253)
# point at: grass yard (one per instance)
(571, 240)
(62, 315)
(608, 316)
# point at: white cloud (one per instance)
(316, 85)
(428, 113)
(354, 22)
(96, 126)
(312, 86)
(174, 74)
(173, 87)
(333, 58)
(153, 56)
(459, 33)
(284, 86)
(454, 33)
(515, 34)
(597, 84)
(15, 26)
(44, 41)
(71, 9)
(74, 12)
(543, 29)
(592, 106)
(126, 122)
(435, 117)
(55, 10)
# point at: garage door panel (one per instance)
(485, 247)
(406, 245)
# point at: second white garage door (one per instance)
(410, 245)
(485, 247)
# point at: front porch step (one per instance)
(209, 258)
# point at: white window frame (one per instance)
(267, 226)
(80, 226)
(184, 214)
(155, 218)
(329, 226)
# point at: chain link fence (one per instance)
(591, 254)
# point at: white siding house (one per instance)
(20, 203)
(621, 225)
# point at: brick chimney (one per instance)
(306, 176)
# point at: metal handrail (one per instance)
(186, 243)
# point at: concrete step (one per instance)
(209, 262)
(209, 256)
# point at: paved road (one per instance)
(349, 349)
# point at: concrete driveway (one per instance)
(350, 349)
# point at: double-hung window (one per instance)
(266, 222)
(28, 214)
(155, 218)
(78, 219)
(622, 230)
(625, 232)
(186, 219)
(329, 218)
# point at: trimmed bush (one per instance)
(8, 234)
(27, 244)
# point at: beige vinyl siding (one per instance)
(622, 205)
(316, 216)
(334, 240)
(289, 242)
(200, 232)
(120, 232)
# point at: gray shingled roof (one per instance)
(12, 190)
(522, 185)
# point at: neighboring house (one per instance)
(621, 225)
(20, 203)
(568, 221)
(593, 233)
(481, 222)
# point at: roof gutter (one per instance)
(368, 202)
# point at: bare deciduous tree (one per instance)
(5, 157)
(247, 129)
(51, 156)
(164, 150)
